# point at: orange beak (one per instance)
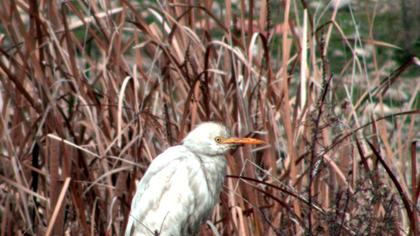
(241, 141)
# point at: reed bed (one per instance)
(92, 91)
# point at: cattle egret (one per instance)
(181, 186)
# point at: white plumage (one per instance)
(182, 185)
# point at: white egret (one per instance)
(181, 186)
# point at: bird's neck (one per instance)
(216, 162)
(214, 171)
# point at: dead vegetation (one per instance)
(92, 91)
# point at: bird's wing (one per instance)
(166, 174)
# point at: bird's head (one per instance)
(214, 139)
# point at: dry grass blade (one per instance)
(58, 206)
(414, 187)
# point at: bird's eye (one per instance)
(218, 139)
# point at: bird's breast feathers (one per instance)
(178, 189)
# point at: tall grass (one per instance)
(92, 91)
